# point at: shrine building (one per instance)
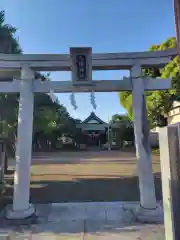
(95, 131)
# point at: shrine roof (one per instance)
(94, 117)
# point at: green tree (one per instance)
(123, 127)
(121, 118)
(8, 41)
(51, 119)
(158, 103)
(8, 102)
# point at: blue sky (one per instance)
(52, 26)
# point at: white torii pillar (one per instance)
(21, 207)
(149, 209)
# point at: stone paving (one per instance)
(85, 221)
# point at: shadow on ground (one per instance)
(82, 190)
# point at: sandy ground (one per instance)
(86, 176)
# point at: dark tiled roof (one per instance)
(93, 116)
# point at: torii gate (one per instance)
(81, 62)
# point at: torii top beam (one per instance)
(106, 61)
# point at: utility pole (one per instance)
(109, 137)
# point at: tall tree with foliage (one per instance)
(8, 41)
(8, 102)
(158, 103)
(124, 128)
(51, 119)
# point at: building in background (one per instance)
(95, 131)
(174, 114)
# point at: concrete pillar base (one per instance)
(145, 215)
(19, 215)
